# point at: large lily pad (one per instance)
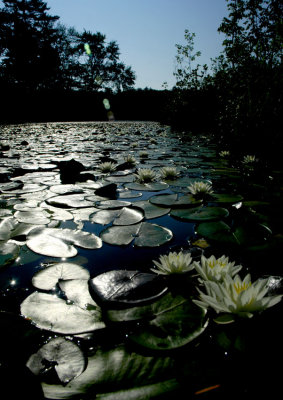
(112, 204)
(59, 242)
(173, 200)
(35, 216)
(126, 287)
(200, 213)
(70, 201)
(48, 277)
(49, 312)
(61, 354)
(143, 234)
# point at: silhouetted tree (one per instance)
(29, 57)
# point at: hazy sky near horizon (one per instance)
(146, 31)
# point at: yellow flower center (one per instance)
(241, 287)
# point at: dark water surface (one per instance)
(130, 354)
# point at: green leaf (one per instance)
(200, 213)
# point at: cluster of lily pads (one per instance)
(121, 189)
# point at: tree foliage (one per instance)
(38, 53)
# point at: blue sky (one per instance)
(147, 30)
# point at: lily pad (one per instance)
(35, 216)
(200, 213)
(66, 189)
(126, 287)
(59, 242)
(149, 187)
(124, 216)
(151, 210)
(9, 251)
(70, 201)
(143, 234)
(77, 291)
(226, 198)
(48, 277)
(61, 354)
(177, 322)
(49, 312)
(173, 200)
(112, 204)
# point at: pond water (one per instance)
(86, 211)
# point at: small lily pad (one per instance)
(200, 213)
(61, 354)
(124, 216)
(35, 216)
(70, 201)
(112, 204)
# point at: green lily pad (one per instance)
(49, 312)
(151, 210)
(48, 277)
(149, 187)
(64, 356)
(144, 234)
(200, 213)
(128, 194)
(164, 199)
(176, 322)
(226, 198)
(123, 287)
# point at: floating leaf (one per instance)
(128, 194)
(61, 354)
(66, 188)
(112, 204)
(152, 235)
(164, 199)
(143, 234)
(126, 287)
(35, 216)
(59, 242)
(9, 251)
(177, 321)
(48, 277)
(200, 213)
(77, 291)
(226, 198)
(151, 210)
(70, 201)
(124, 216)
(119, 235)
(52, 313)
(149, 187)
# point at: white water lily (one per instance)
(107, 166)
(224, 153)
(215, 269)
(173, 263)
(169, 173)
(249, 159)
(200, 188)
(130, 159)
(145, 175)
(236, 296)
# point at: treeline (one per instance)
(49, 72)
(241, 100)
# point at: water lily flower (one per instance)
(249, 159)
(130, 159)
(107, 166)
(224, 153)
(236, 296)
(212, 269)
(173, 263)
(169, 173)
(143, 154)
(200, 188)
(145, 175)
